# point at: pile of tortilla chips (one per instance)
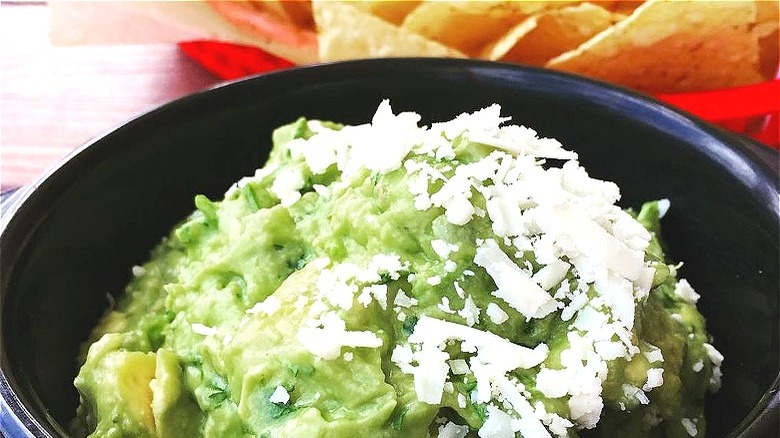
(654, 46)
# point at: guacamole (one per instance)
(463, 279)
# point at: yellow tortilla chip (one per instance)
(346, 32)
(500, 47)
(392, 11)
(468, 26)
(545, 36)
(673, 46)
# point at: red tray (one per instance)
(751, 110)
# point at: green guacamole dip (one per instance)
(465, 279)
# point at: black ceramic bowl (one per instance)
(72, 236)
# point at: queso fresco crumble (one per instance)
(462, 279)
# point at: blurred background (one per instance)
(54, 98)
(72, 70)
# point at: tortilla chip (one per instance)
(545, 36)
(673, 46)
(468, 26)
(625, 7)
(295, 12)
(265, 28)
(299, 12)
(393, 11)
(273, 6)
(346, 32)
(499, 48)
(767, 18)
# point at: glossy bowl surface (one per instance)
(71, 237)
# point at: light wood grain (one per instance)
(53, 99)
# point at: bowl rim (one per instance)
(717, 145)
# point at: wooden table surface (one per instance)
(53, 99)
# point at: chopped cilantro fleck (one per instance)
(398, 419)
(250, 197)
(409, 324)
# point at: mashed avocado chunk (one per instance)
(464, 279)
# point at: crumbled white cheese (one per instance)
(403, 300)
(203, 329)
(326, 336)
(590, 239)
(553, 383)
(558, 425)
(377, 291)
(444, 306)
(403, 356)
(618, 292)
(632, 391)
(430, 374)
(654, 355)
(552, 274)
(452, 430)
(578, 302)
(689, 426)
(514, 286)
(287, 184)
(586, 409)
(321, 190)
(442, 248)
(589, 319)
(459, 366)
(462, 403)
(380, 146)
(492, 348)
(655, 379)
(565, 218)
(280, 395)
(685, 292)
(495, 356)
(502, 208)
(717, 360)
(485, 120)
(338, 284)
(459, 290)
(496, 314)
(269, 306)
(458, 210)
(609, 350)
(528, 424)
(470, 312)
(497, 425)
(389, 264)
(663, 207)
